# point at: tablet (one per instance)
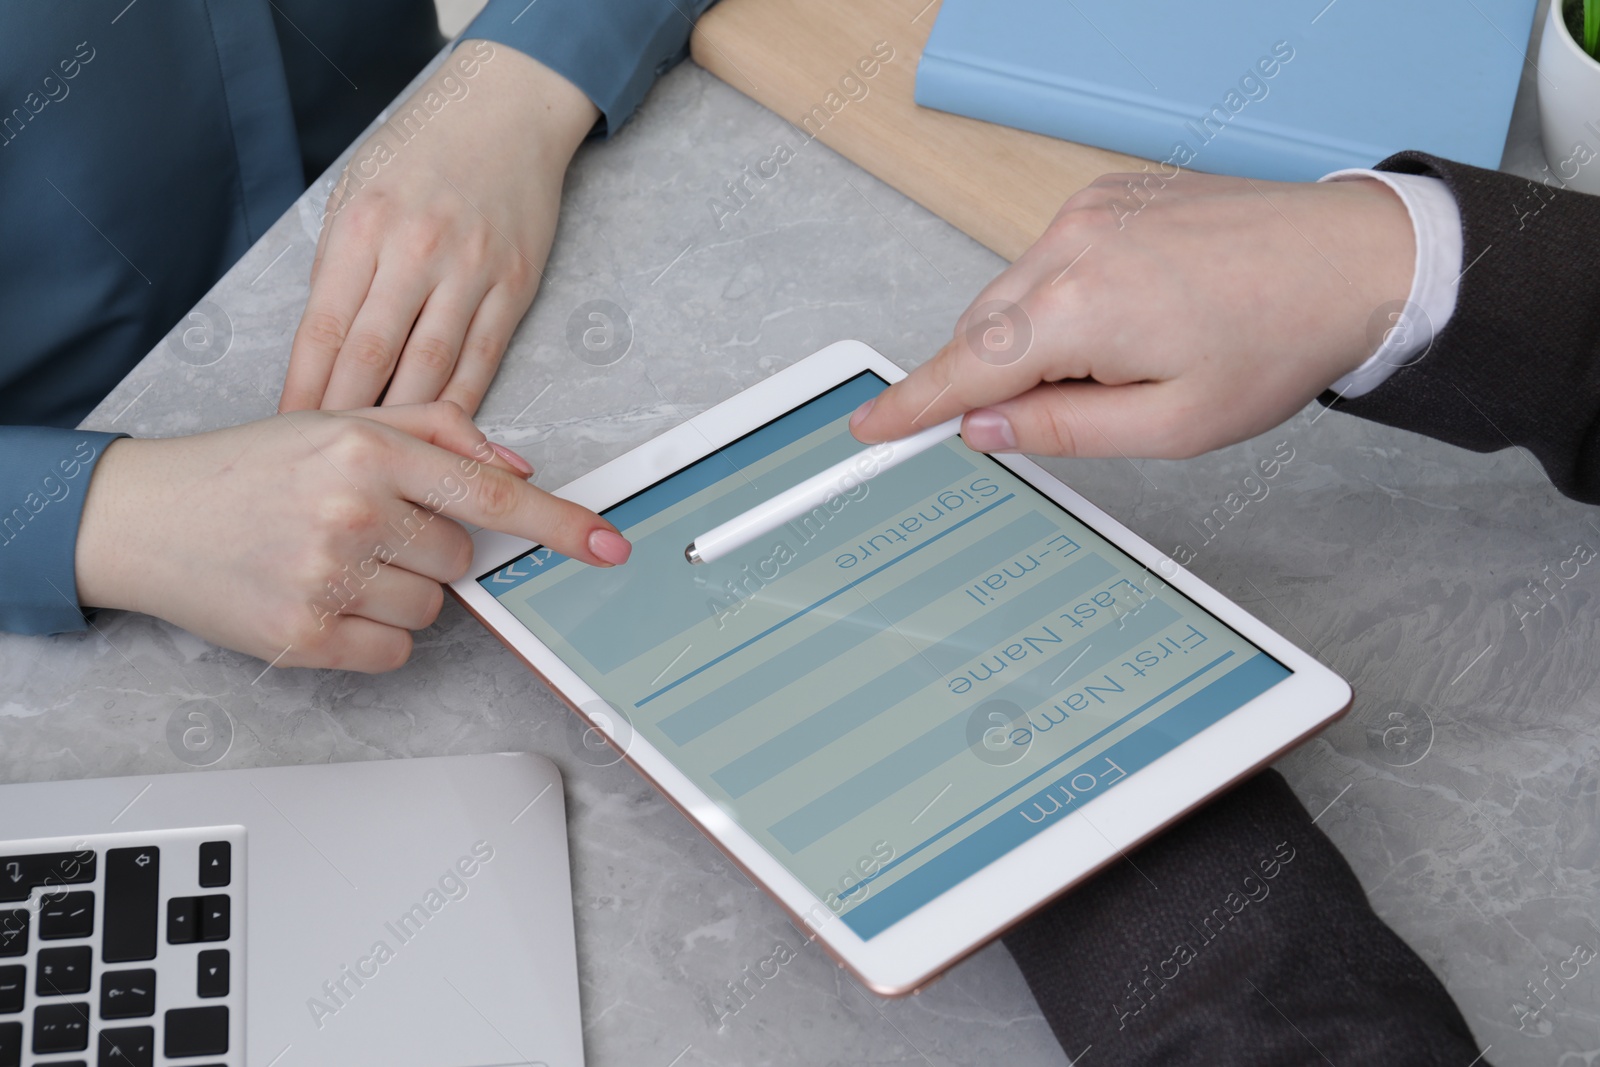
(923, 710)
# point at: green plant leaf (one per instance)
(1591, 27)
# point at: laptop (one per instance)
(408, 912)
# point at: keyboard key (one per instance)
(129, 1046)
(216, 863)
(191, 919)
(12, 979)
(64, 1063)
(60, 1028)
(196, 1032)
(63, 971)
(65, 915)
(214, 917)
(13, 933)
(19, 874)
(211, 979)
(127, 994)
(183, 920)
(133, 877)
(10, 1045)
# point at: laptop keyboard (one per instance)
(123, 950)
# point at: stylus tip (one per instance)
(692, 554)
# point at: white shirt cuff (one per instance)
(1435, 284)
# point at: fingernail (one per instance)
(861, 412)
(610, 546)
(988, 431)
(519, 464)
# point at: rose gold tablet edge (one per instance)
(1122, 853)
(916, 985)
(795, 919)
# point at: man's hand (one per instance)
(434, 239)
(313, 539)
(1209, 315)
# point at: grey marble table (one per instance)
(1464, 786)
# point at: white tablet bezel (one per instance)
(916, 949)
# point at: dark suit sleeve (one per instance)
(1519, 361)
(1240, 937)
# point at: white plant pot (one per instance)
(1569, 105)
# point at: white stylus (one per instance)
(814, 492)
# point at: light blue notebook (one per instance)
(1277, 89)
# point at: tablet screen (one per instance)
(899, 687)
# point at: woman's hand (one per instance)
(1201, 312)
(434, 240)
(313, 539)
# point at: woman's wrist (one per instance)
(546, 106)
(109, 558)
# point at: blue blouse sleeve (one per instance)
(613, 50)
(44, 477)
